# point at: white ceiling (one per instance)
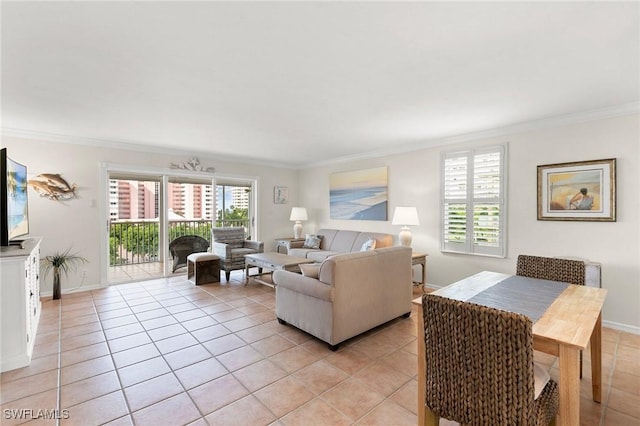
(299, 83)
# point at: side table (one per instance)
(284, 244)
(420, 259)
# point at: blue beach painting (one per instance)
(359, 195)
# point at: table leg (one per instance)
(422, 411)
(569, 386)
(246, 273)
(596, 360)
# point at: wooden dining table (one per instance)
(571, 321)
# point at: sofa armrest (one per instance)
(221, 249)
(255, 245)
(301, 284)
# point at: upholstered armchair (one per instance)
(231, 246)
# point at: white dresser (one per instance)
(19, 303)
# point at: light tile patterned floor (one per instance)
(165, 352)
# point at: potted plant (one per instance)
(64, 262)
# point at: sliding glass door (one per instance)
(134, 228)
(146, 212)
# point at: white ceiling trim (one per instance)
(575, 118)
(136, 146)
(580, 117)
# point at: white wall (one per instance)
(76, 223)
(414, 179)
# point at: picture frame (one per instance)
(578, 191)
(359, 194)
(280, 195)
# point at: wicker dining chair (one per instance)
(479, 366)
(552, 269)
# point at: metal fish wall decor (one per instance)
(53, 186)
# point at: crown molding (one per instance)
(545, 123)
(549, 122)
(136, 146)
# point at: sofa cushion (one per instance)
(312, 241)
(382, 240)
(343, 242)
(350, 241)
(327, 237)
(321, 255)
(311, 270)
(300, 252)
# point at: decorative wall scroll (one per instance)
(193, 165)
(53, 186)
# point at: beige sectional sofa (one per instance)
(353, 293)
(336, 241)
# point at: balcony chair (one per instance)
(479, 367)
(552, 269)
(231, 246)
(183, 246)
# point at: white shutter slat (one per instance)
(455, 178)
(486, 177)
(473, 201)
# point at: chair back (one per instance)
(479, 363)
(551, 268)
(188, 242)
(229, 235)
(183, 246)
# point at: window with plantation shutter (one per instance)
(474, 201)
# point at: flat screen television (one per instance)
(14, 214)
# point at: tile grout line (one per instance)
(115, 368)
(184, 390)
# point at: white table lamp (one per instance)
(298, 214)
(405, 216)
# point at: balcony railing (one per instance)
(136, 241)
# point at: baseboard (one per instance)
(621, 327)
(72, 290)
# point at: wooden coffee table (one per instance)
(272, 262)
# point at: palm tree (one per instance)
(64, 262)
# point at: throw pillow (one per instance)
(370, 244)
(311, 270)
(312, 241)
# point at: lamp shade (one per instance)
(405, 216)
(298, 213)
